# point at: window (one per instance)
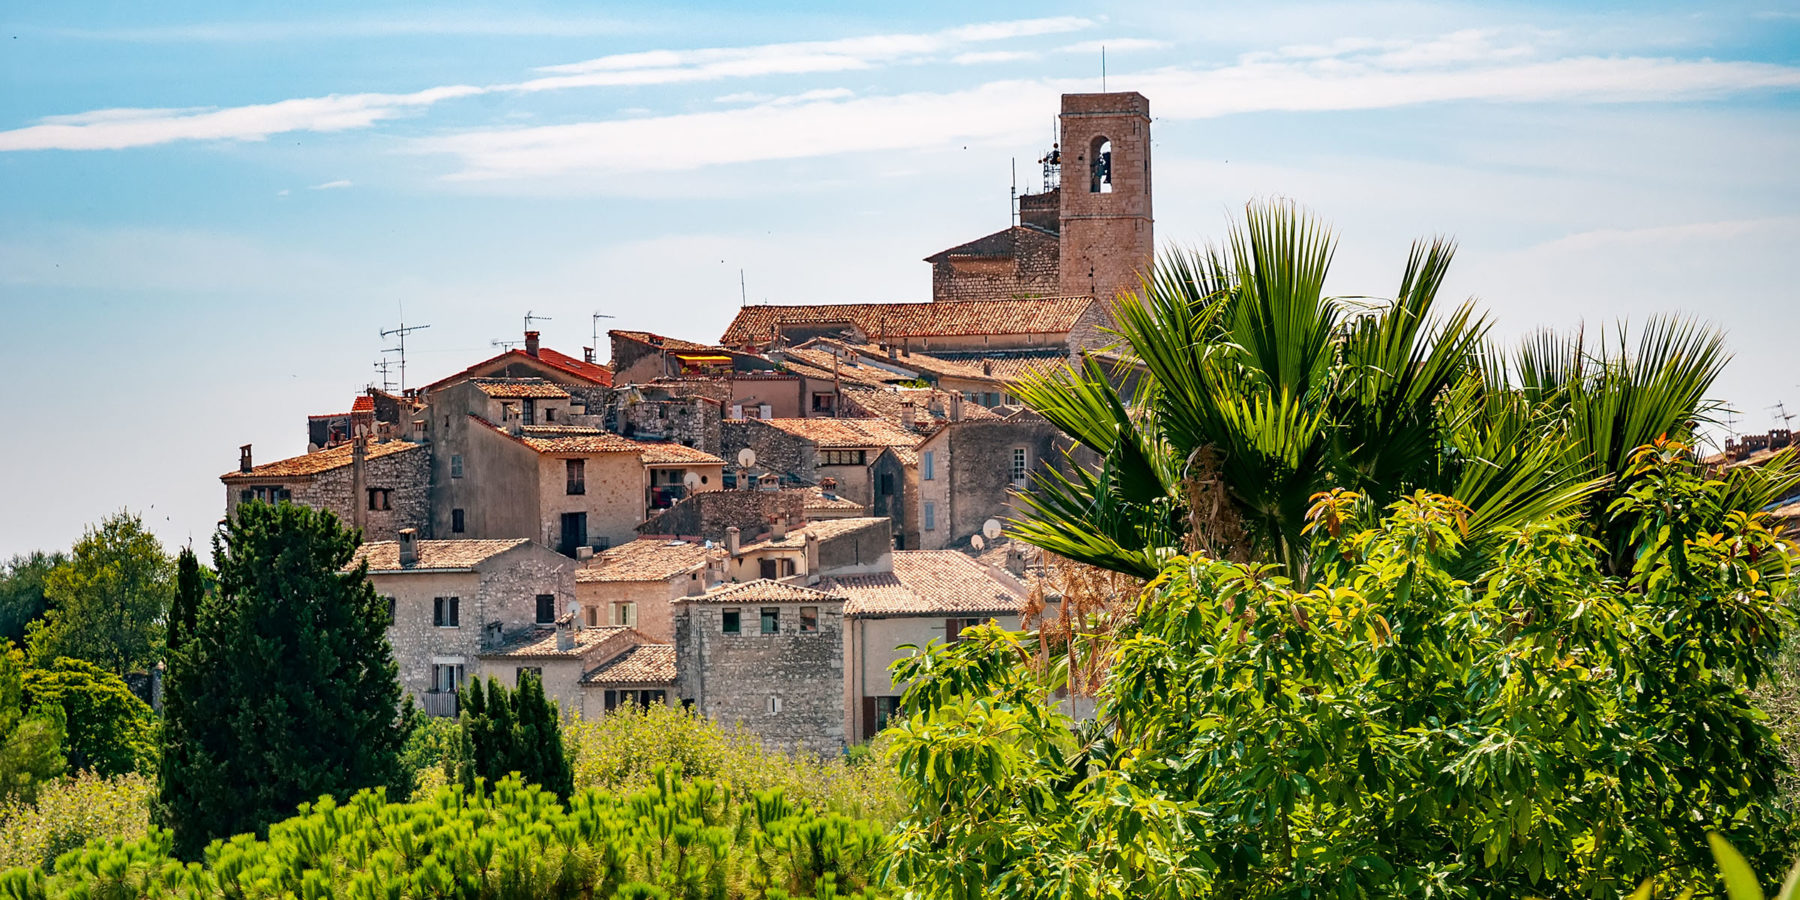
(456, 466)
(809, 619)
(1021, 463)
(928, 465)
(771, 620)
(456, 521)
(618, 698)
(533, 671)
(822, 401)
(577, 472)
(731, 622)
(549, 414)
(1100, 166)
(774, 705)
(446, 678)
(530, 414)
(270, 494)
(546, 609)
(880, 711)
(625, 614)
(393, 608)
(930, 516)
(766, 568)
(378, 498)
(444, 612)
(574, 532)
(843, 457)
(953, 628)
(593, 616)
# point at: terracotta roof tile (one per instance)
(816, 499)
(843, 434)
(764, 590)
(755, 325)
(603, 442)
(384, 556)
(886, 403)
(592, 373)
(645, 559)
(662, 342)
(510, 388)
(818, 364)
(662, 453)
(320, 461)
(365, 403)
(540, 643)
(640, 664)
(930, 582)
(826, 530)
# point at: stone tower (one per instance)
(1105, 222)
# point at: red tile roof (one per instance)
(930, 582)
(320, 461)
(591, 373)
(645, 559)
(604, 442)
(540, 643)
(514, 388)
(584, 439)
(640, 664)
(755, 325)
(661, 342)
(434, 556)
(846, 434)
(665, 453)
(364, 403)
(764, 590)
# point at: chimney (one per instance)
(828, 488)
(777, 527)
(893, 352)
(1015, 561)
(418, 431)
(359, 480)
(409, 547)
(531, 342)
(565, 632)
(987, 367)
(587, 354)
(244, 458)
(906, 414)
(956, 402)
(765, 412)
(732, 539)
(812, 553)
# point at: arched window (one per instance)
(1100, 166)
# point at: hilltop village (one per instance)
(750, 524)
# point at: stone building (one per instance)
(639, 357)
(973, 326)
(1105, 221)
(926, 595)
(584, 378)
(769, 656)
(451, 601)
(673, 472)
(804, 451)
(894, 476)
(675, 413)
(808, 551)
(707, 516)
(584, 670)
(1020, 261)
(969, 472)
(378, 487)
(635, 584)
(569, 491)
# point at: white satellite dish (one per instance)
(692, 480)
(991, 528)
(575, 608)
(746, 457)
(977, 543)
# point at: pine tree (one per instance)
(507, 731)
(286, 688)
(189, 588)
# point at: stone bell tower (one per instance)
(1107, 238)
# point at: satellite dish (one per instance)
(746, 457)
(692, 480)
(575, 608)
(977, 543)
(991, 528)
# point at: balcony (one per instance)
(664, 496)
(441, 704)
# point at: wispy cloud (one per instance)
(989, 57)
(423, 24)
(1115, 45)
(331, 185)
(116, 129)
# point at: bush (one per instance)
(71, 812)
(110, 731)
(622, 750)
(428, 758)
(676, 839)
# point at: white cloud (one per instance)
(1115, 45)
(425, 24)
(330, 185)
(116, 129)
(282, 193)
(987, 57)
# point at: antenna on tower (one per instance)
(529, 318)
(596, 320)
(1782, 414)
(743, 295)
(402, 331)
(381, 365)
(1102, 68)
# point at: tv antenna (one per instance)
(402, 331)
(529, 318)
(381, 365)
(504, 345)
(1782, 414)
(596, 320)
(743, 294)
(1012, 203)
(1102, 68)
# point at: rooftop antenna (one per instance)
(529, 318)
(402, 332)
(596, 320)
(743, 295)
(1012, 203)
(1102, 68)
(1782, 414)
(381, 365)
(504, 345)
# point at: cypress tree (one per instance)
(506, 731)
(188, 591)
(286, 688)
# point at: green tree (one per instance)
(108, 603)
(22, 598)
(505, 731)
(1394, 729)
(110, 731)
(190, 590)
(287, 688)
(31, 740)
(1247, 390)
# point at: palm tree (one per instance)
(1238, 392)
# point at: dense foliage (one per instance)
(677, 839)
(286, 690)
(108, 602)
(512, 731)
(70, 812)
(1396, 728)
(1247, 390)
(22, 598)
(109, 730)
(31, 739)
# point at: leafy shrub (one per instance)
(428, 757)
(71, 812)
(110, 731)
(675, 839)
(622, 750)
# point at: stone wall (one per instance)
(406, 475)
(731, 677)
(865, 550)
(1107, 236)
(1031, 271)
(776, 450)
(974, 461)
(706, 515)
(690, 421)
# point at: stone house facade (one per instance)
(969, 471)
(804, 451)
(1020, 261)
(769, 656)
(635, 584)
(808, 551)
(563, 655)
(894, 476)
(453, 600)
(378, 487)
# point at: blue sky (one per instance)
(208, 212)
